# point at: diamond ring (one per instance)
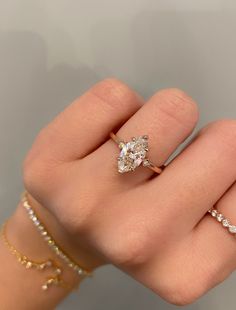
(223, 220)
(133, 154)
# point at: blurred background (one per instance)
(52, 51)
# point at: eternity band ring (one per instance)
(219, 217)
(133, 154)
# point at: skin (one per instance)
(153, 227)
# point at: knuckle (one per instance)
(124, 249)
(224, 126)
(224, 130)
(178, 105)
(115, 93)
(37, 172)
(79, 217)
(126, 254)
(181, 292)
(35, 176)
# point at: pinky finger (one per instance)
(215, 244)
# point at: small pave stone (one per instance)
(226, 223)
(232, 229)
(214, 213)
(146, 163)
(219, 217)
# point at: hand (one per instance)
(154, 227)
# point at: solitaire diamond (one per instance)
(132, 154)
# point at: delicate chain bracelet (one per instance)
(56, 277)
(47, 237)
(39, 265)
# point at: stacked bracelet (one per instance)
(28, 263)
(47, 237)
(57, 270)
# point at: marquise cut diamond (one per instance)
(132, 154)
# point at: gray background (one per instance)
(52, 51)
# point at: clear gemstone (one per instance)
(219, 217)
(37, 222)
(226, 223)
(55, 248)
(232, 229)
(34, 219)
(214, 213)
(146, 163)
(132, 154)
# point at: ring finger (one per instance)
(167, 118)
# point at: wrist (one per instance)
(77, 251)
(22, 234)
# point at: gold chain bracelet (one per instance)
(55, 278)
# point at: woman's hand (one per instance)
(154, 227)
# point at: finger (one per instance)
(167, 118)
(198, 177)
(86, 123)
(216, 246)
